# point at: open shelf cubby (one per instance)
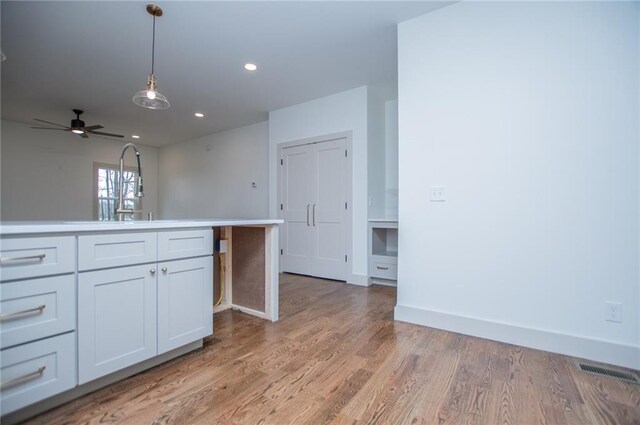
(383, 251)
(384, 241)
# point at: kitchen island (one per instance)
(85, 303)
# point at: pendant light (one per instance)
(150, 97)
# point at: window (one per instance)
(106, 190)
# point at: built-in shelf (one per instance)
(383, 251)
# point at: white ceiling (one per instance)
(96, 55)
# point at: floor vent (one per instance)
(618, 374)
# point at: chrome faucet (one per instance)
(121, 210)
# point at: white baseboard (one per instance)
(384, 282)
(359, 279)
(571, 345)
(251, 312)
(222, 307)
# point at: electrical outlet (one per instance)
(437, 194)
(613, 311)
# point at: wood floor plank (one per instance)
(336, 356)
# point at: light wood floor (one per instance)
(337, 356)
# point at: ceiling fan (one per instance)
(77, 127)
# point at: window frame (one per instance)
(96, 185)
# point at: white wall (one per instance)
(345, 111)
(48, 175)
(376, 151)
(528, 114)
(212, 176)
(391, 158)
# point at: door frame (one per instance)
(348, 136)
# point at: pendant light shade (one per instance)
(150, 97)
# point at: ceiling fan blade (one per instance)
(50, 128)
(84, 135)
(52, 123)
(104, 134)
(93, 127)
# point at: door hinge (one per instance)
(280, 252)
(281, 161)
(345, 153)
(280, 207)
(345, 205)
(345, 258)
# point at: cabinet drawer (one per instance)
(184, 244)
(36, 308)
(35, 371)
(383, 270)
(33, 257)
(114, 250)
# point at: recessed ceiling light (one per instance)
(250, 66)
(135, 136)
(199, 114)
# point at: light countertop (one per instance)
(31, 227)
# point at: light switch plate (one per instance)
(437, 194)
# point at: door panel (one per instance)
(116, 319)
(295, 188)
(330, 213)
(313, 193)
(185, 302)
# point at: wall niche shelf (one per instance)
(383, 251)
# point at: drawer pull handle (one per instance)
(382, 268)
(22, 379)
(39, 257)
(164, 269)
(152, 271)
(16, 314)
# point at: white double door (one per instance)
(314, 207)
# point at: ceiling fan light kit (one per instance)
(150, 97)
(77, 127)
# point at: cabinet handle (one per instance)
(39, 257)
(308, 205)
(14, 315)
(314, 215)
(164, 270)
(382, 268)
(152, 271)
(22, 379)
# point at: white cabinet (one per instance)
(130, 314)
(185, 302)
(37, 308)
(383, 251)
(184, 244)
(31, 257)
(37, 319)
(116, 319)
(116, 250)
(37, 370)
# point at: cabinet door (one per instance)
(116, 319)
(185, 302)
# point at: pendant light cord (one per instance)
(153, 44)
